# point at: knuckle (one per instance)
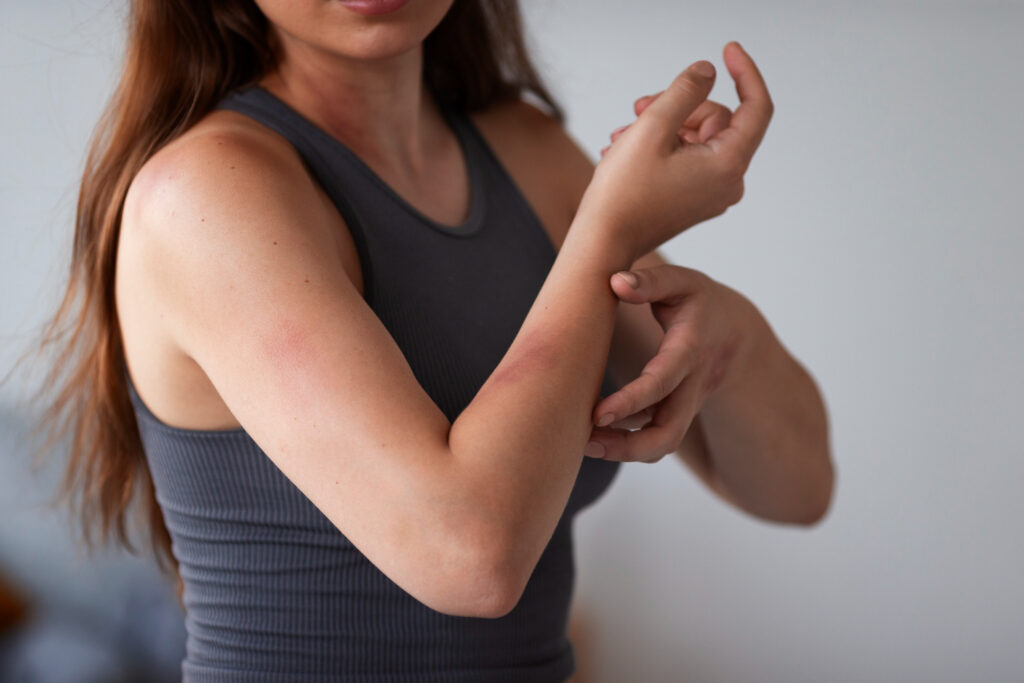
(686, 338)
(701, 306)
(703, 281)
(687, 85)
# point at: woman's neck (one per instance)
(379, 108)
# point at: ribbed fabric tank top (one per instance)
(273, 591)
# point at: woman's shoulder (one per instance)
(224, 189)
(220, 186)
(222, 149)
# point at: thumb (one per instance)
(670, 110)
(628, 286)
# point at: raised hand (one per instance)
(680, 162)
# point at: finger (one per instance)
(634, 421)
(666, 114)
(689, 135)
(604, 150)
(715, 123)
(618, 131)
(750, 120)
(641, 103)
(660, 376)
(666, 283)
(704, 110)
(709, 118)
(662, 435)
(666, 431)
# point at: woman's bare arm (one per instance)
(525, 430)
(238, 256)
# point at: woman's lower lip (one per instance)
(374, 6)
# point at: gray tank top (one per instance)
(273, 590)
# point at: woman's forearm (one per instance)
(766, 430)
(521, 438)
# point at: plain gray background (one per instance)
(880, 233)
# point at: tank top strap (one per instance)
(260, 104)
(324, 156)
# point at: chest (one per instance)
(534, 179)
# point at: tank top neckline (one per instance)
(458, 123)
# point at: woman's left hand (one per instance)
(707, 331)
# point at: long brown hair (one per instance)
(182, 57)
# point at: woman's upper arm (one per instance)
(240, 259)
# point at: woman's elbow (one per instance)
(480, 576)
(484, 588)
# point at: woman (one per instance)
(348, 304)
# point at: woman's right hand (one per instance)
(656, 181)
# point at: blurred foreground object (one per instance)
(65, 615)
(12, 607)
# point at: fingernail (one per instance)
(704, 68)
(619, 129)
(606, 420)
(629, 277)
(593, 450)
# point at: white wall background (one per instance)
(880, 233)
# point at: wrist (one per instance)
(607, 232)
